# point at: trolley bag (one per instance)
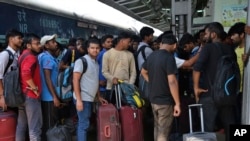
(8, 122)
(198, 136)
(131, 119)
(109, 128)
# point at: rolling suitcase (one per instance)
(198, 136)
(131, 119)
(8, 121)
(108, 125)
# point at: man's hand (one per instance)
(79, 105)
(115, 80)
(198, 92)
(56, 101)
(2, 103)
(177, 110)
(102, 100)
(102, 83)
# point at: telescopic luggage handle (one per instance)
(118, 96)
(190, 116)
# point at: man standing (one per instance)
(146, 34)
(49, 72)
(118, 63)
(106, 42)
(206, 63)
(14, 39)
(160, 72)
(86, 87)
(30, 113)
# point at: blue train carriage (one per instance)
(32, 18)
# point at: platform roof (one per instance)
(156, 13)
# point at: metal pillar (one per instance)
(246, 89)
(184, 16)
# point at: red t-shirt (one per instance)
(29, 69)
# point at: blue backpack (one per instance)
(64, 86)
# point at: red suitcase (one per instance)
(8, 121)
(109, 128)
(131, 120)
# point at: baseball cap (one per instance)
(46, 38)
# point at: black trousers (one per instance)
(50, 117)
(226, 115)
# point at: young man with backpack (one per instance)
(143, 50)
(86, 87)
(207, 63)
(14, 39)
(30, 113)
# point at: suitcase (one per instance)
(8, 122)
(198, 136)
(131, 119)
(108, 125)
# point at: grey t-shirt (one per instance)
(140, 58)
(90, 79)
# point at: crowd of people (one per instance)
(160, 62)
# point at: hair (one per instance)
(169, 39)
(80, 38)
(124, 35)
(28, 38)
(72, 42)
(12, 33)
(159, 38)
(237, 28)
(186, 39)
(105, 37)
(215, 27)
(136, 38)
(146, 31)
(93, 40)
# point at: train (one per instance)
(44, 20)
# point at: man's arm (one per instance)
(197, 89)
(2, 100)
(174, 89)
(132, 71)
(47, 73)
(77, 90)
(191, 61)
(106, 70)
(144, 73)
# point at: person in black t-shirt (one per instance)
(206, 64)
(160, 70)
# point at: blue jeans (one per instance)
(29, 115)
(84, 121)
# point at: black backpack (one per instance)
(226, 84)
(142, 50)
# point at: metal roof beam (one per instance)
(150, 15)
(129, 2)
(136, 7)
(143, 12)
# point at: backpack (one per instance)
(13, 94)
(226, 84)
(131, 95)
(140, 81)
(64, 80)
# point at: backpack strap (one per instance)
(142, 49)
(10, 61)
(85, 65)
(72, 57)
